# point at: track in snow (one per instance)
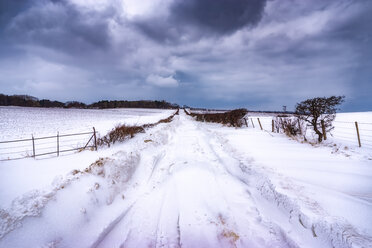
(191, 200)
(183, 188)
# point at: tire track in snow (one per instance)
(110, 227)
(202, 170)
(226, 159)
(188, 189)
(331, 231)
(218, 224)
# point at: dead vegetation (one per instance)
(119, 134)
(95, 168)
(123, 132)
(290, 126)
(231, 118)
(166, 120)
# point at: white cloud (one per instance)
(135, 8)
(162, 81)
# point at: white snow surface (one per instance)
(191, 184)
(20, 123)
(343, 136)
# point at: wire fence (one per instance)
(353, 132)
(48, 145)
(348, 132)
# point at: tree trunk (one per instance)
(320, 135)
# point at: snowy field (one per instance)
(21, 123)
(343, 136)
(192, 184)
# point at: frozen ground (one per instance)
(190, 184)
(22, 123)
(342, 137)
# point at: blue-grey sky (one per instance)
(258, 54)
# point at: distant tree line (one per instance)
(133, 104)
(30, 101)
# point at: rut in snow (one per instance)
(190, 199)
(183, 187)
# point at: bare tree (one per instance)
(319, 110)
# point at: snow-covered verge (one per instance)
(343, 138)
(345, 131)
(328, 192)
(190, 184)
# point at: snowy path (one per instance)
(180, 185)
(190, 198)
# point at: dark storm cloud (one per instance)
(9, 9)
(194, 19)
(220, 16)
(357, 32)
(196, 52)
(354, 29)
(62, 25)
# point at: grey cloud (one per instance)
(297, 49)
(194, 19)
(9, 9)
(354, 28)
(62, 25)
(219, 16)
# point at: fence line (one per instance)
(357, 133)
(59, 146)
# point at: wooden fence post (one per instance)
(272, 126)
(246, 123)
(57, 144)
(252, 123)
(95, 138)
(33, 146)
(259, 123)
(323, 129)
(299, 126)
(357, 129)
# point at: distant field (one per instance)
(22, 122)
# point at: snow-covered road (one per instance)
(186, 196)
(180, 184)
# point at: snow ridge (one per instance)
(335, 230)
(30, 204)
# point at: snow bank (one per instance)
(327, 193)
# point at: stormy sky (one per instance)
(207, 53)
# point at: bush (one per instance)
(290, 126)
(119, 134)
(233, 117)
(122, 132)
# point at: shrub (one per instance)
(119, 134)
(290, 126)
(233, 117)
(123, 132)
